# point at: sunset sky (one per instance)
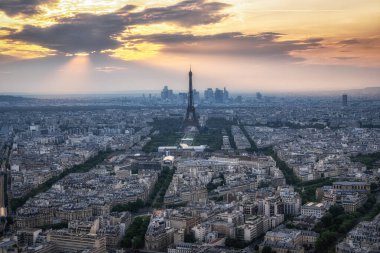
(88, 46)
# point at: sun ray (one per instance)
(73, 77)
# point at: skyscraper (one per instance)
(182, 97)
(344, 99)
(166, 93)
(226, 95)
(209, 95)
(219, 95)
(196, 96)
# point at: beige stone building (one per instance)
(67, 242)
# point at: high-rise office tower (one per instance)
(219, 95)
(344, 99)
(166, 93)
(226, 95)
(209, 95)
(196, 96)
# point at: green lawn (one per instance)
(212, 136)
(169, 134)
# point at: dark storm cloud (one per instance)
(259, 45)
(83, 33)
(26, 7)
(314, 40)
(343, 58)
(178, 38)
(349, 42)
(7, 29)
(185, 13)
(127, 8)
(90, 32)
(370, 42)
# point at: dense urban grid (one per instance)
(250, 173)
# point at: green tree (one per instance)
(327, 220)
(189, 237)
(266, 249)
(325, 240)
(137, 242)
(130, 206)
(134, 236)
(336, 210)
(346, 226)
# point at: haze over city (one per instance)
(86, 47)
(189, 126)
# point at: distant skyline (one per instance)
(89, 47)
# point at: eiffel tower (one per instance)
(190, 118)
